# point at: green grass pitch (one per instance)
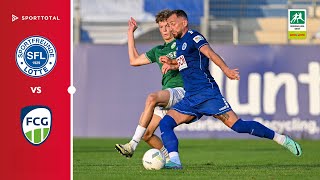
(201, 159)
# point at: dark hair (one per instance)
(162, 15)
(179, 13)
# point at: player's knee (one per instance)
(147, 136)
(151, 99)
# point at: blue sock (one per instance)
(253, 128)
(170, 140)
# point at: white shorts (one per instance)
(176, 94)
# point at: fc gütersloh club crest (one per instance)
(36, 123)
(36, 56)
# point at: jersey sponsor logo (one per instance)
(36, 123)
(198, 38)
(182, 62)
(173, 45)
(171, 55)
(184, 46)
(36, 56)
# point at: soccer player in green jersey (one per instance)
(159, 102)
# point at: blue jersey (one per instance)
(202, 96)
(193, 65)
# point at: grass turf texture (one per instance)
(201, 159)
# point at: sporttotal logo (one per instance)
(35, 18)
(36, 123)
(36, 56)
(14, 18)
(297, 23)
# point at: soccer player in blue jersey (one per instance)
(202, 95)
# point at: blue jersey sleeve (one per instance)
(198, 40)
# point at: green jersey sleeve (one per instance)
(151, 54)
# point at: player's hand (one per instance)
(232, 74)
(132, 25)
(164, 59)
(165, 68)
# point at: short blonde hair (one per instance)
(162, 15)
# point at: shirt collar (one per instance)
(165, 43)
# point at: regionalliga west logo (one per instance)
(297, 24)
(36, 56)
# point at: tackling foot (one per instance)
(125, 149)
(292, 146)
(172, 165)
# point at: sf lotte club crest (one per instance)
(36, 56)
(36, 123)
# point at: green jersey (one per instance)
(172, 78)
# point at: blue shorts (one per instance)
(203, 103)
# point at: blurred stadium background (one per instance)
(221, 21)
(280, 83)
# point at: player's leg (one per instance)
(170, 140)
(127, 149)
(255, 128)
(176, 95)
(150, 138)
(159, 98)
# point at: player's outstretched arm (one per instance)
(135, 58)
(230, 73)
